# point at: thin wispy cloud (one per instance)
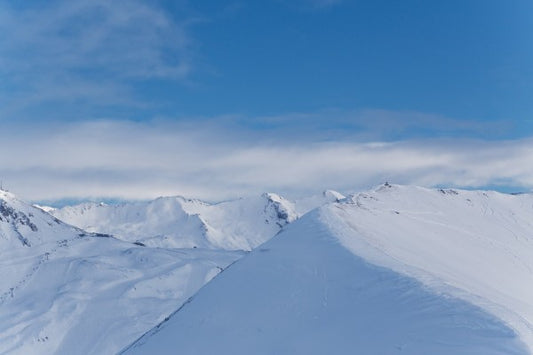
(134, 160)
(87, 51)
(379, 124)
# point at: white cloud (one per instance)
(144, 160)
(379, 124)
(87, 50)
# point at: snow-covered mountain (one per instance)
(178, 222)
(394, 270)
(95, 289)
(67, 291)
(23, 225)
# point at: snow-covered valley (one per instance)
(394, 269)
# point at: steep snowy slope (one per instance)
(184, 223)
(397, 269)
(477, 245)
(25, 225)
(66, 291)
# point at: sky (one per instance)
(220, 99)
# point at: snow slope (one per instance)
(477, 245)
(66, 291)
(396, 269)
(178, 222)
(69, 291)
(23, 225)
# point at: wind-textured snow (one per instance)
(396, 269)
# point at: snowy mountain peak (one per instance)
(283, 209)
(24, 225)
(179, 222)
(46, 209)
(333, 195)
(273, 196)
(7, 196)
(17, 220)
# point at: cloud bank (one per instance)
(214, 161)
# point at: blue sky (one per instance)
(264, 87)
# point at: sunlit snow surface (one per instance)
(395, 270)
(176, 222)
(473, 244)
(66, 290)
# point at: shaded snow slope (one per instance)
(185, 223)
(477, 245)
(66, 291)
(304, 292)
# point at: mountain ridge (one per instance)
(445, 239)
(456, 249)
(239, 224)
(67, 290)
